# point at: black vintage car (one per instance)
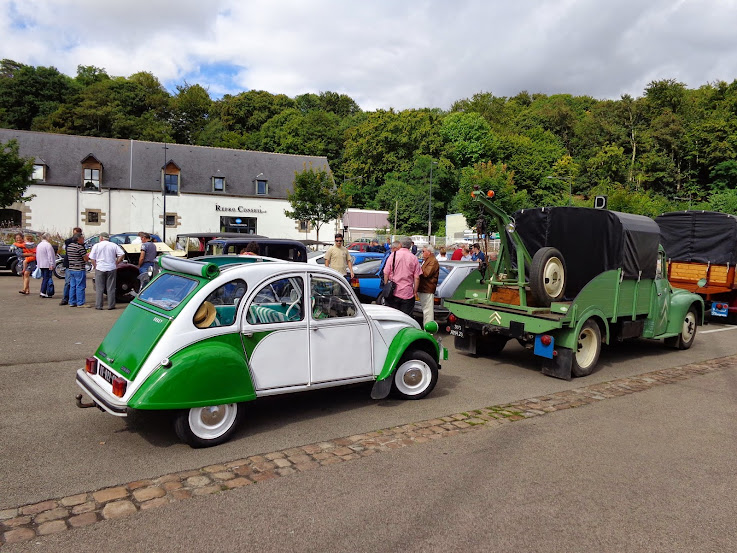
(8, 259)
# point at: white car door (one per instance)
(275, 336)
(340, 334)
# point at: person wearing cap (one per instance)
(105, 256)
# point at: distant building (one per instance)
(363, 223)
(113, 185)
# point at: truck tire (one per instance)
(688, 331)
(588, 348)
(547, 276)
(491, 345)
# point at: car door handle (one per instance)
(314, 328)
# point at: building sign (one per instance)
(239, 209)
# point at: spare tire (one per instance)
(547, 276)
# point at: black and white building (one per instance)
(114, 185)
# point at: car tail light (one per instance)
(451, 318)
(546, 340)
(354, 282)
(90, 365)
(436, 300)
(119, 386)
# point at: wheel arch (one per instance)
(407, 338)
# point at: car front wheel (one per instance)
(416, 375)
(207, 426)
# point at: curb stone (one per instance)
(26, 522)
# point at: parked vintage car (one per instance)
(281, 248)
(194, 244)
(452, 273)
(359, 258)
(208, 338)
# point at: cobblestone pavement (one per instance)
(60, 514)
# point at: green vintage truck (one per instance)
(566, 280)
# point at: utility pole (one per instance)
(163, 182)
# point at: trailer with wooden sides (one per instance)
(702, 245)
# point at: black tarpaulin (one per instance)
(592, 241)
(699, 236)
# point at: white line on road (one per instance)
(719, 329)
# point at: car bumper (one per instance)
(100, 396)
(440, 313)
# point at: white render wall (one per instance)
(58, 209)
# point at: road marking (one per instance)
(718, 329)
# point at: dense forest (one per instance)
(672, 148)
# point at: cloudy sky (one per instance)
(398, 53)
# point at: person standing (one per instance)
(28, 251)
(466, 253)
(374, 247)
(443, 255)
(428, 283)
(65, 296)
(413, 248)
(105, 256)
(45, 259)
(148, 253)
(457, 253)
(76, 272)
(404, 269)
(477, 254)
(339, 258)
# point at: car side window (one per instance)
(221, 306)
(330, 300)
(278, 301)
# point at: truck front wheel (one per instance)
(688, 331)
(588, 348)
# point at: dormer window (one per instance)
(262, 187)
(91, 174)
(218, 184)
(172, 174)
(39, 172)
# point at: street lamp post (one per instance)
(163, 178)
(429, 207)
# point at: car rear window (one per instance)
(167, 291)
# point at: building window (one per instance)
(39, 171)
(245, 225)
(262, 187)
(304, 226)
(171, 184)
(91, 179)
(218, 184)
(93, 217)
(171, 220)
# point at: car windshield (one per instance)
(444, 272)
(167, 291)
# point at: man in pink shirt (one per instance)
(404, 269)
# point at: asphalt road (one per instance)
(50, 448)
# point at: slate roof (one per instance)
(63, 155)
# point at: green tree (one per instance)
(15, 174)
(315, 198)
(190, 110)
(467, 138)
(485, 177)
(724, 176)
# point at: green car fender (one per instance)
(568, 338)
(402, 341)
(680, 302)
(210, 372)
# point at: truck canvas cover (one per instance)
(699, 236)
(592, 241)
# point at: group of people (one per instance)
(33, 256)
(403, 269)
(464, 252)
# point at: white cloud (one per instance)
(383, 54)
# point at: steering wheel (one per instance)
(291, 306)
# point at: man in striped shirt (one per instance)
(77, 255)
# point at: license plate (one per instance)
(457, 329)
(716, 311)
(105, 373)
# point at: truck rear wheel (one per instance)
(547, 276)
(587, 350)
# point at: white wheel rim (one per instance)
(413, 377)
(689, 327)
(211, 422)
(586, 350)
(553, 277)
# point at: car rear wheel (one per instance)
(416, 375)
(207, 426)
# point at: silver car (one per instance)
(452, 273)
